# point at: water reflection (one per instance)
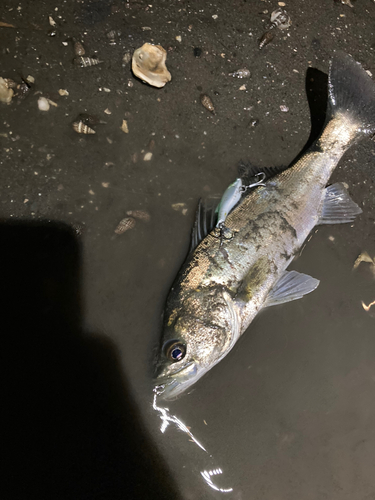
(206, 474)
(167, 419)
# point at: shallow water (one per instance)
(289, 413)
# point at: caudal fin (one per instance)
(352, 92)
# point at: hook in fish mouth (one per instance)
(172, 385)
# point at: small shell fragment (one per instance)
(207, 103)
(179, 38)
(180, 207)
(124, 126)
(82, 128)
(112, 35)
(52, 103)
(63, 92)
(147, 156)
(11, 84)
(30, 79)
(363, 257)
(148, 64)
(126, 58)
(43, 104)
(139, 214)
(6, 93)
(84, 62)
(79, 49)
(369, 308)
(284, 108)
(51, 21)
(125, 225)
(240, 73)
(6, 25)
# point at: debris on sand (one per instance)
(207, 103)
(139, 214)
(240, 73)
(82, 128)
(279, 19)
(125, 225)
(364, 257)
(79, 49)
(43, 104)
(6, 92)
(85, 62)
(6, 25)
(148, 64)
(124, 126)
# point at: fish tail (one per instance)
(351, 94)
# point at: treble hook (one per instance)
(258, 183)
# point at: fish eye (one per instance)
(176, 351)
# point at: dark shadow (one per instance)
(71, 429)
(317, 96)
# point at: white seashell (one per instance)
(148, 64)
(147, 156)
(43, 104)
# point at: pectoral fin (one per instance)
(338, 207)
(291, 286)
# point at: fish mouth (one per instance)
(171, 386)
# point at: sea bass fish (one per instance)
(224, 283)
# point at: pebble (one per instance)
(147, 156)
(43, 104)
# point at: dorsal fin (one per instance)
(205, 220)
(248, 172)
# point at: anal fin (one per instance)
(338, 207)
(291, 286)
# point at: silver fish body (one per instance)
(223, 285)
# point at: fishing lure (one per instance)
(232, 196)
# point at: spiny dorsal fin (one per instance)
(205, 220)
(248, 172)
